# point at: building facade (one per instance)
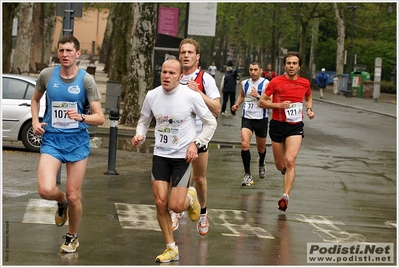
(89, 30)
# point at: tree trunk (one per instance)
(8, 16)
(302, 49)
(37, 35)
(315, 37)
(138, 80)
(340, 40)
(49, 29)
(23, 44)
(274, 42)
(107, 38)
(219, 59)
(121, 41)
(110, 33)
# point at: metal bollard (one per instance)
(113, 139)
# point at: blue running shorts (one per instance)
(66, 147)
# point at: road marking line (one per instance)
(391, 223)
(137, 216)
(40, 211)
(328, 231)
(235, 223)
(230, 222)
(15, 193)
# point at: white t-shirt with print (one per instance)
(174, 113)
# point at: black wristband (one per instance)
(309, 109)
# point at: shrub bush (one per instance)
(388, 87)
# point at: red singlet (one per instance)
(284, 89)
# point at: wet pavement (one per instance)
(345, 192)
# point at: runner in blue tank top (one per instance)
(65, 139)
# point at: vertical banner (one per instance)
(168, 19)
(202, 19)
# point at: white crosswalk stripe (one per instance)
(40, 211)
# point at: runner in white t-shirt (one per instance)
(212, 70)
(174, 108)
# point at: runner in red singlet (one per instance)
(287, 93)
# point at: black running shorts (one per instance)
(257, 125)
(279, 131)
(165, 169)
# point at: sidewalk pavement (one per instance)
(228, 126)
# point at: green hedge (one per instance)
(387, 87)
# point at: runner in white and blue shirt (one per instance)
(254, 119)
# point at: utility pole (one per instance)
(69, 11)
(349, 87)
(187, 16)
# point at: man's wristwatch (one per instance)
(309, 109)
(197, 144)
(83, 117)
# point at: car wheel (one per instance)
(31, 141)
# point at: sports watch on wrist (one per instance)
(83, 117)
(197, 144)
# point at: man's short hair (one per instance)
(192, 42)
(256, 63)
(295, 54)
(70, 39)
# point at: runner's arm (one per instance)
(309, 106)
(240, 99)
(266, 102)
(141, 130)
(209, 125)
(35, 108)
(213, 104)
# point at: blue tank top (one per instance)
(59, 92)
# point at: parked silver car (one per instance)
(17, 92)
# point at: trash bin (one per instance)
(358, 79)
(368, 89)
(112, 94)
(343, 83)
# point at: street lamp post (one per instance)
(349, 87)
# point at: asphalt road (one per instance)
(345, 192)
